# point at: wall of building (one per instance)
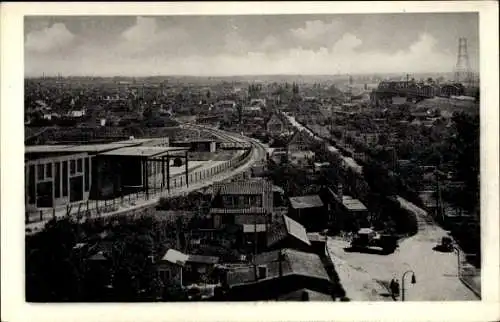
(57, 181)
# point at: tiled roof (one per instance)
(292, 263)
(288, 227)
(249, 187)
(302, 202)
(242, 211)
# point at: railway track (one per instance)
(233, 168)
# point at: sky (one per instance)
(247, 45)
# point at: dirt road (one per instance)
(435, 272)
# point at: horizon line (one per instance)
(238, 75)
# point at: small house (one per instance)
(170, 267)
(275, 275)
(309, 211)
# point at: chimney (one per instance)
(340, 192)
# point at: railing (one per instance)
(96, 208)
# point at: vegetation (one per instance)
(57, 272)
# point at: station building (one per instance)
(59, 175)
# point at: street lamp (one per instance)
(413, 281)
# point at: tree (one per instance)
(465, 145)
(378, 179)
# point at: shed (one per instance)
(309, 211)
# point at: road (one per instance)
(435, 272)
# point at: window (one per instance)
(72, 167)
(242, 201)
(40, 172)
(65, 179)
(48, 170)
(257, 201)
(57, 181)
(79, 165)
(87, 174)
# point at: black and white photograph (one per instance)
(305, 157)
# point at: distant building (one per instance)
(261, 102)
(275, 125)
(77, 113)
(197, 145)
(299, 150)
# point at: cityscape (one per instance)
(252, 158)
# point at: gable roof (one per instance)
(175, 257)
(302, 202)
(275, 118)
(292, 262)
(287, 227)
(299, 136)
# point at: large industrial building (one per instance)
(59, 175)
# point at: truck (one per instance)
(367, 238)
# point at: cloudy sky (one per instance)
(246, 45)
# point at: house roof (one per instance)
(293, 262)
(316, 237)
(143, 151)
(302, 202)
(249, 187)
(353, 204)
(203, 259)
(251, 210)
(99, 256)
(288, 227)
(46, 148)
(278, 189)
(175, 257)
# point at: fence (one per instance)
(469, 275)
(97, 208)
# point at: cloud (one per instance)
(316, 29)
(146, 36)
(343, 56)
(49, 39)
(234, 43)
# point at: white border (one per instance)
(12, 220)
